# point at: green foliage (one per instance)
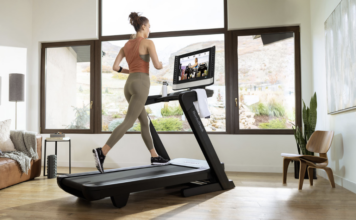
(271, 109)
(81, 118)
(148, 110)
(259, 109)
(80, 89)
(103, 112)
(120, 76)
(309, 120)
(106, 90)
(274, 124)
(114, 123)
(164, 124)
(116, 115)
(276, 109)
(170, 111)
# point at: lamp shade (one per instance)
(16, 87)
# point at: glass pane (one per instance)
(163, 15)
(165, 116)
(266, 81)
(68, 87)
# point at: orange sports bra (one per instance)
(133, 58)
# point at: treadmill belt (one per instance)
(124, 176)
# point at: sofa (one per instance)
(10, 171)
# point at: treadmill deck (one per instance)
(95, 185)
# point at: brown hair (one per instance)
(137, 21)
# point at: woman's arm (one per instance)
(118, 60)
(192, 66)
(153, 54)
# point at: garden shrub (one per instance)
(170, 111)
(148, 110)
(114, 123)
(82, 118)
(259, 109)
(164, 124)
(271, 109)
(274, 124)
(116, 115)
(105, 127)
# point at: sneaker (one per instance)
(159, 161)
(99, 159)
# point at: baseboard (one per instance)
(232, 168)
(257, 169)
(347, 184)
(92, 164)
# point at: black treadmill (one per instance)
(202, 176)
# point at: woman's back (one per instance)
(136, 62)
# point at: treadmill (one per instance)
(202, 176)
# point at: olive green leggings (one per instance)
(136, 91)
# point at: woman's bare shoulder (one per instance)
(148, 42)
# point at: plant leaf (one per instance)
(313, 113)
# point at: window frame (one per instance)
(44, 46)
(297, 76)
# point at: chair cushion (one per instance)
(6, 145)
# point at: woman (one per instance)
(196, 64)
(137, 52)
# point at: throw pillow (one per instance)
(6, 145)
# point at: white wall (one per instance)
(66, 20)
(12, 60)
(342, 153)
(15, 43)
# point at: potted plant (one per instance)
(302, 135)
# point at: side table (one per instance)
(54, 139)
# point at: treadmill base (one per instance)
(197, 190)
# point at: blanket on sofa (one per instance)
(26, 148)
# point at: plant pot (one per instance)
(296, 171)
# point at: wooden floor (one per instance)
(256, 196)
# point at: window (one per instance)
(67, 84)
(267, 73)
(164, 16)
(166, 116)
(257, 88)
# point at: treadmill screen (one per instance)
(194, 67)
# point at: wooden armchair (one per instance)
(319, 142)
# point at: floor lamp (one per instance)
(16, 90)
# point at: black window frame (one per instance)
(44, 46)
(297, 76)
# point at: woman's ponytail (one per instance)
(137, 21)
